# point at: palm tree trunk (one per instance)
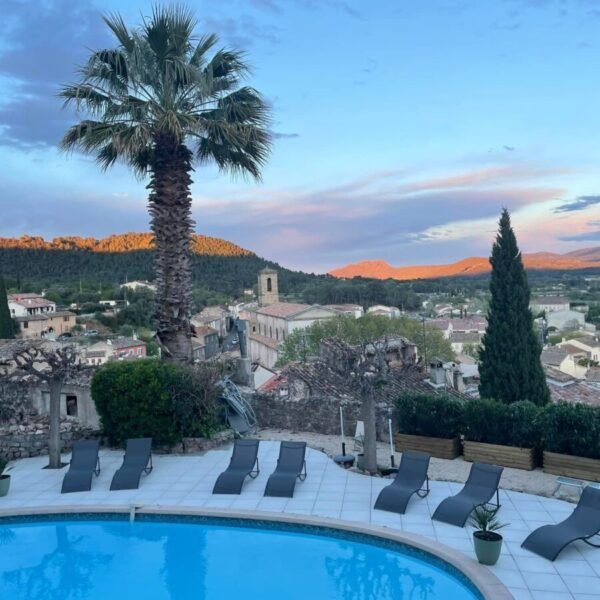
(54, 425)
(170, 206)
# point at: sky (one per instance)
(401, 128)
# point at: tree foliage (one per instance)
(147, 398)
(161, 100)
(303, 344)
(510, 368)
(7, 328)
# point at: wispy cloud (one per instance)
(283, 136)
(580, 203)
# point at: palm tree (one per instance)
(159, 102)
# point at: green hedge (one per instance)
(148, 398)
(571, 429)
(564, 428)
(433, 416)
(493, 422)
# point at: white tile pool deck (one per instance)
(329, 492)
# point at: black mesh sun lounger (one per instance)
(137, 459)
(243, 462)
(412, 474)
(84, 464)
(291, 465)
(584, 523)
(479, 489)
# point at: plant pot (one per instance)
(360, 462)
(4, 484)
(487, 548)
(448, 448)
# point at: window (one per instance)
(269, 285)
(276, 333)
(139, 351)
(271, 332)
(71, 405)
(25, 325)
(253, 328)
(66, 319)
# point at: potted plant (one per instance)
(4, 479)
(487, 540)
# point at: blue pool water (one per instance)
(205, 560)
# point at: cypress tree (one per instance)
(7, 330)
(510, 368)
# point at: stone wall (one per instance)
(21, 440)
(318, 414)
(15, 402)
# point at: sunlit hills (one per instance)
(543, 261)
(126, 242)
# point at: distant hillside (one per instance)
(543, 261)
(126, 242)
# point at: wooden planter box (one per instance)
(572, 466)
(438, 447)
(495, 454)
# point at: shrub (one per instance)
(524, 424)
(433, 416)
(571, 429)
(485, 421)
(493, 422)
(147, 398)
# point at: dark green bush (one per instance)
(148, 398)
(571, 429)
(524, 424)
(485, 421)
(433, 416)
(493, 422)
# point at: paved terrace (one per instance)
(329, 491)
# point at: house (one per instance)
(215, 317)
(37, 317)
(563, 361)
(548, 304)
(261, 374)
(565, 319)
(25, 305)
(307, 396)
(385, 311)
(587, 345)
(272, 324)
(461, 340)
(471, 324)
(568, 389)
(120, 348)
(205, 344)
(272, 321)
(139, 285)
(443, 325)
(352, 310)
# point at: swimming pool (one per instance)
(158, 558)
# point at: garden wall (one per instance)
(318, 414)
(21, 440)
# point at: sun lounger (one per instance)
(479, 489)
(583, 524)
(84, 464)
(243, 461)
(291, 465)
(137, 459)
(412, 474)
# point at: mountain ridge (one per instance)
(122, 242)
(475, 265)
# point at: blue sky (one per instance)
(402, 127)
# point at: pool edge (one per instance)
(488, 584)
